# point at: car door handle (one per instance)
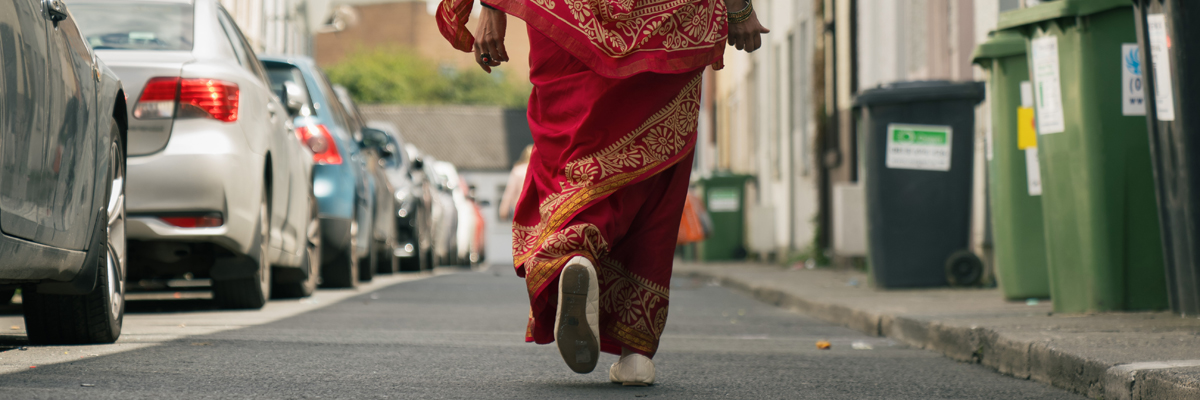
(55, 10)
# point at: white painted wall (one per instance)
(278, 26)
(765, 127)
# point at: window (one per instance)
(135, 26)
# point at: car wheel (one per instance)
(415, 262)
(95, 317)
(310, 266)
(6, 296)
(366, 264)
(342, 271)
(386, 261)
(253, 291)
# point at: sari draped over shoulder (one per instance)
(614, 111)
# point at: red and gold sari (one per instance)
(614, 109)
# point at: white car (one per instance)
(468, 222)
(220, 187)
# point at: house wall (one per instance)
(764, 127)
(277, 26)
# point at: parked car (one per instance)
(425, 220)
(411, 210)
(383, 235)
(341, 180)
(62, 177)
(465, 231)
(444, 213)
(219, 185)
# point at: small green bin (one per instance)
(1098, 204)
(725, 200)
(1019, 242)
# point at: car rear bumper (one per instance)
(206, 167)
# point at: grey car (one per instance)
(62, 177)
(220, 187)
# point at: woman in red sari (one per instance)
(614, 110)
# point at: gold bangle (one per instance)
(741, 15)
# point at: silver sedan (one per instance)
(219, 185)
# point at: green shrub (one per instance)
(401, 76)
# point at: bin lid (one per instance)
(1056, 9)
(999, 44)
(905, 92)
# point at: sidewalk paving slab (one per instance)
(1122, 355)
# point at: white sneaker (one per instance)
(632, 370)
(577, 326)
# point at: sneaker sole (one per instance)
(578, 346)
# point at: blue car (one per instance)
(342, 182)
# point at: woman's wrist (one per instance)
(740, 14)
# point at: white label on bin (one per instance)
(1026, 94)
(924, 147)
(723, 200)
(1033, 172)
(1047, 85)
(1160, 58)
(1133, 98)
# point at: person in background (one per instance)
(614, 110)
(516, 181)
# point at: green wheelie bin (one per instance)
(725, 200)
(1103, 242)
(1019, 241)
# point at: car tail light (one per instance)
(194, 97)
(158, 99)
(210, 220)
(318, 139)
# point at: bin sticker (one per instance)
(1026, 130)
(1033, 172)
(723, 200)
(1133, 98)
(1047, 85)
(1160, 56)
(1026, 94)
(924, 147)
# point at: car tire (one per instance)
(416, 261)
(342, 271)
(250, 292)
(386, 262)
(95, 317)
(6, 296)
(310, 265)
(366, 264)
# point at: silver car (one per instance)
(220, 187)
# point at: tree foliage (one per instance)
(401, 76)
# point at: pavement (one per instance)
(460, 335)
(1130, 355)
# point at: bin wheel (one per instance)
(964, 268)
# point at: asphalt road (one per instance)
(461, 335)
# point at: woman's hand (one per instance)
(489, 39)
(746, 35)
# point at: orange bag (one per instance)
(691, 228)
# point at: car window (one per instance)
(135, 26)
(282, 73)
(231, 34)
(250, 59)
(336, 109)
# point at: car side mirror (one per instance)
(374, 139)
(55, 9)
(417, 164)
(293, 98)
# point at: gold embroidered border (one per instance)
(635, 308)
(580, 191)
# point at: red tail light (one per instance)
(210, 220)
(318, 139)
(195, 97)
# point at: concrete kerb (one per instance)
(1010, 356)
